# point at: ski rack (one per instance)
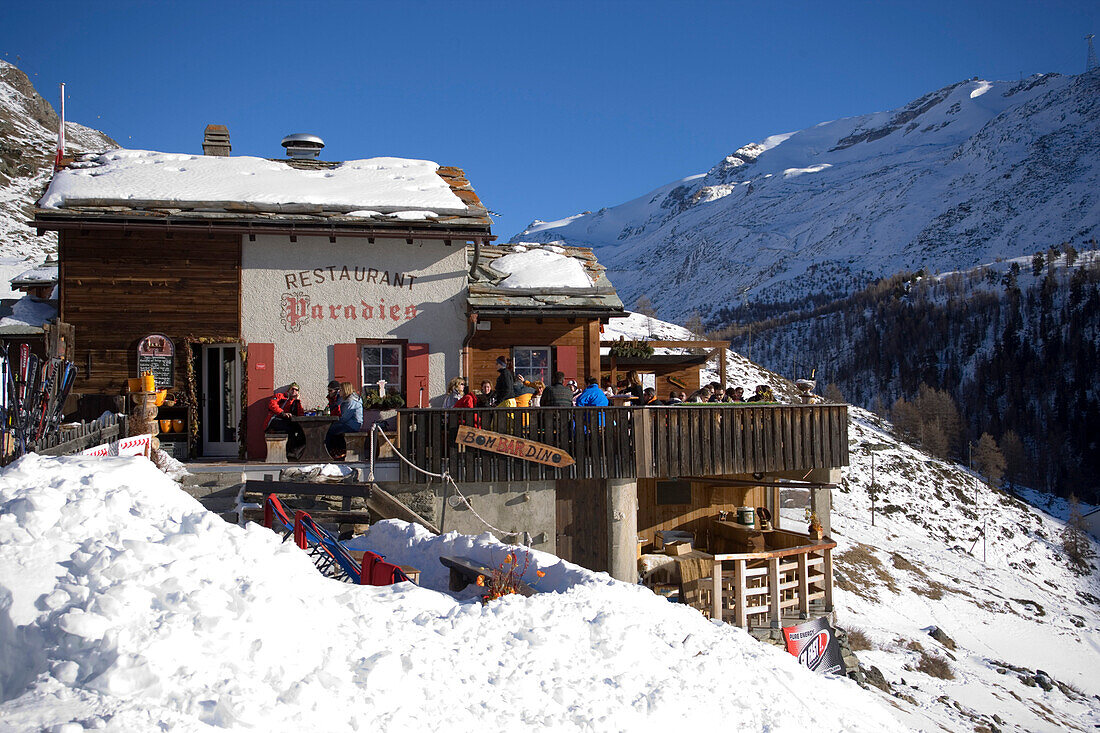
(32, 400)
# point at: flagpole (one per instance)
(60, 132)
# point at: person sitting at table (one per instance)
(592, 395)
(334, 398)
(540, 387)
(281, 409)
(557, 394)
(675, 398)
(351, 421)
(485, 396)
(717, 394)
(524, 393)
(735, 394)
(458, 396)
(700, 395)
(649, 397)
(634, 386)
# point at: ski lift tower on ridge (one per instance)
(1091, 62)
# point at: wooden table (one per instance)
(750, 538)
(315, 428)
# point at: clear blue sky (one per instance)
(550, 107)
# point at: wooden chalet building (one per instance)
(245, 274)
(261, 273)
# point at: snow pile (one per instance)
(541, 268)
(382, 184)
(125, 606)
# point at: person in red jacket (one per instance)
(334, 398)
(281, 410)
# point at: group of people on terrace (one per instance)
(510, 390)
(344, 403)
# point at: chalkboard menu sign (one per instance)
(157, 354)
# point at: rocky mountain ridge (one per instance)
(28, 142)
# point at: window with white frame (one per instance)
(532, 363)
(383, 362)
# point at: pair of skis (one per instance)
(33, 397)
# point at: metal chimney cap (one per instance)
(303, 146)
(303, 140)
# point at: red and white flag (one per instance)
(60, 133)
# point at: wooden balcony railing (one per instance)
(759, 588)
(631, 442)
(737, 439)
(600, 440)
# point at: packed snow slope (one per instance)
(125, 606)
(28, 142)
(1025, 628)
(964, 175)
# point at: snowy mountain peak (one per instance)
(962, 175)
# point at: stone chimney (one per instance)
(215, 141)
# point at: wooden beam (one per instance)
(803, 587)
(687, 344)
(774, 611)
(739, 595)
(716, 592)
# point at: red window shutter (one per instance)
(261, 385)
(565, 359)
(345, 364)
(416, 375)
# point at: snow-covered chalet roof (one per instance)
(370, 192)
(43, 274)
(527, 278)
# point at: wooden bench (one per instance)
(358, 447)
(465, 571)
(276, 447)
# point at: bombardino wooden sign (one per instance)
(510, 445)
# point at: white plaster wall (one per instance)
(282, 280)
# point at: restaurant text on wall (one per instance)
(299, 307)
(337, 273)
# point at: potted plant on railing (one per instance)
(623, 349)
(379, 408)
(815, 529)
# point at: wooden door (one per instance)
(582, 522)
